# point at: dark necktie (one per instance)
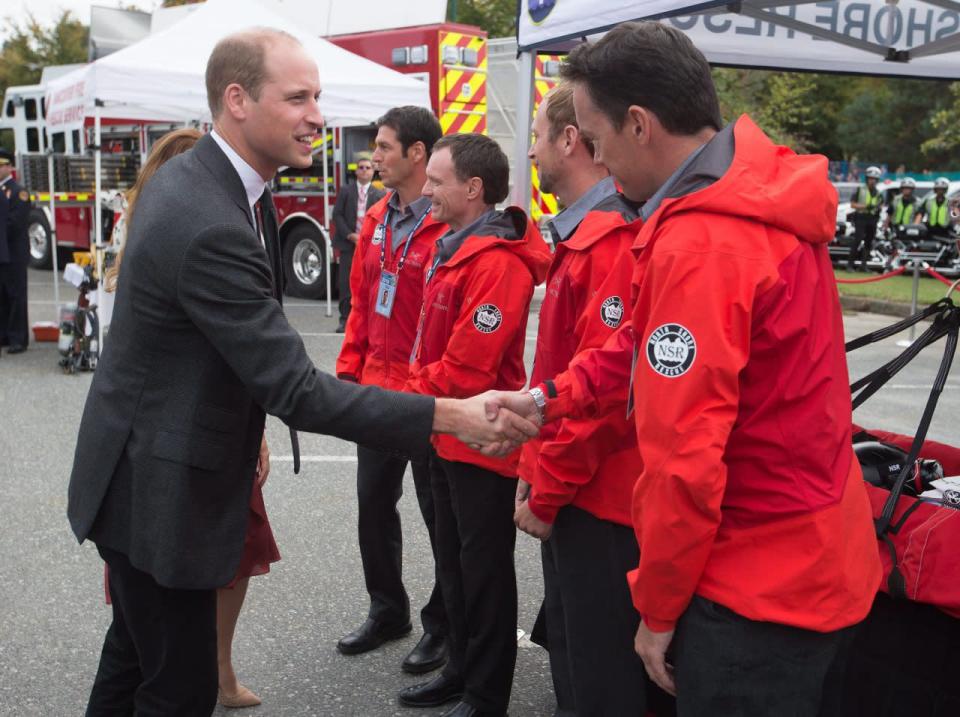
(265, 230)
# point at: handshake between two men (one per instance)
(494, 423)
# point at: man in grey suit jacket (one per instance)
(347, 218)
(199, 351)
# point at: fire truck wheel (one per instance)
(38, 232)
(304, 262)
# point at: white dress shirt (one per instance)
(253, 183)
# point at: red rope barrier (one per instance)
(938, 276)
(881, 277)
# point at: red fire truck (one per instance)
(452, 58)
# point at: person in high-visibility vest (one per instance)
(936, 210)
(866, 204)
(905, 207)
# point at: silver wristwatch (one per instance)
(536, 393)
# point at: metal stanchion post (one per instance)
(915, 264)
(328, 248)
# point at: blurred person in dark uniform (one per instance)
(867, 203)
(14, 255)
(353, 201)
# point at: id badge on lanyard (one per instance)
(386, 294)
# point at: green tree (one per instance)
(497, 17)
(942, 148)
(30, 47)
(781, 103)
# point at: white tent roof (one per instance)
(334, 17)
(162, 77)
(911, 38)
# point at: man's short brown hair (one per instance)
(560, 113)
(475, 155)
(412, 124)
(240, 59)
(650, 65)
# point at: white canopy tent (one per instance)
(161, 78)
(907, 38)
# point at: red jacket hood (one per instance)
(767, 183)
(512, 230)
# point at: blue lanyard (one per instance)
(406, 246)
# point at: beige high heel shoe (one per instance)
(244, 697)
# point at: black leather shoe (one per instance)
(342, 326)
(16, 349)
(462, 709)
(433, 693)
(370, 635)
(429, 654)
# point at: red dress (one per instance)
(259, 547)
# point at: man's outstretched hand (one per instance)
(488, 422)
(518, 403)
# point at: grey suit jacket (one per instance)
(198, 351)
(345, 212)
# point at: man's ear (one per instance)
(639, 121)
(571, 136)
(417, 152)
(474, 188)
(235, 101)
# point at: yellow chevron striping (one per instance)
(470, 125)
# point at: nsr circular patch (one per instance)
(487, 318)
(671, 350)
(611, 311)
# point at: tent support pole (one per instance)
(328, 247)
(521, 162)
(950, 43)
(805, 27)
(53, 237)
(98, 216)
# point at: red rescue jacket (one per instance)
(750, 494)
(591, 463)
(473, 327)
(376, 350)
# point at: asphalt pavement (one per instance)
(53, 611)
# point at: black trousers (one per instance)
(160, 653)
(343, 281)
(379, 487)
(14, 324)
(864, 233)
(590, 618)
(475, 541)
(727, 665)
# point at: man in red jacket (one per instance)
(580, 474)
(471, 339)
(396, 241)
(757, 551)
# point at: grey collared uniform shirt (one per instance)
(566, 222)
(403, 221)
